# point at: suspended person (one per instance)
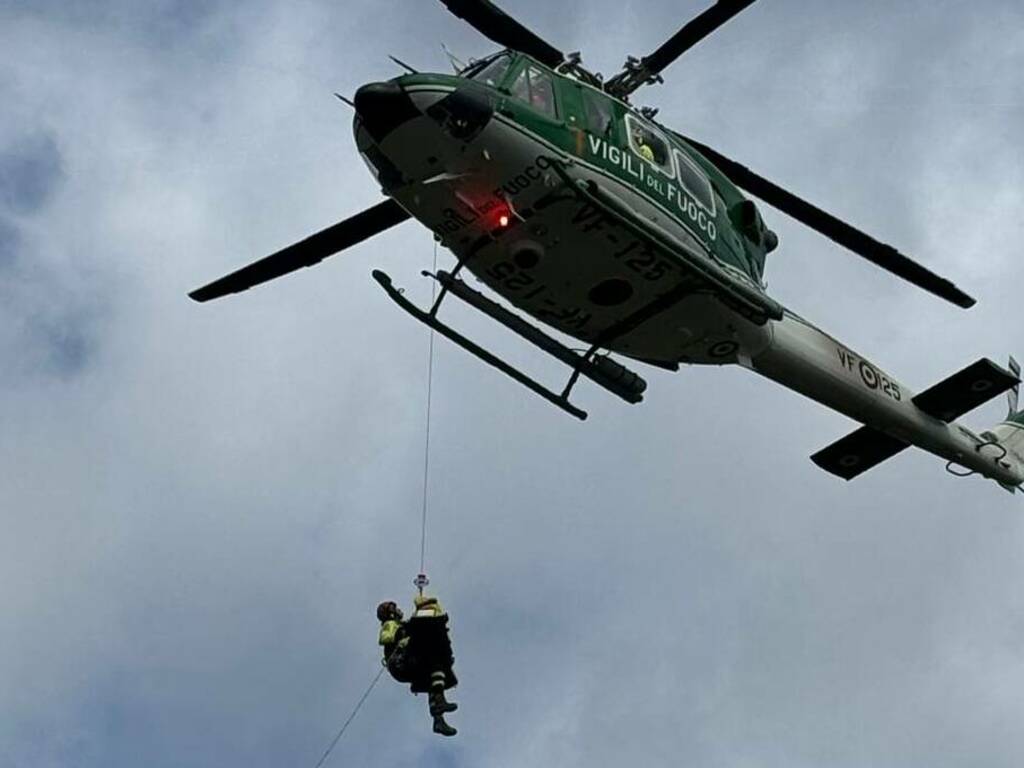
(419, 652)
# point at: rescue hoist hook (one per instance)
(421, 582)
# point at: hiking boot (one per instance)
(441, 727)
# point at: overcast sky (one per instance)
(202, 505)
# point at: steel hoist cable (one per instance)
(351, 717)
(421, 579)
(426, 446)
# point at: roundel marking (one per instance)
(982, 385)
(724, 349)
(849, 461)
(869, 375)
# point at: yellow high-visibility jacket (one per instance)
(389, 637)
(427, 606)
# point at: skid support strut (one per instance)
(603, 371)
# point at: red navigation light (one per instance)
(499, 217)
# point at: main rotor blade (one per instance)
(682, 41)
(308, 252)
(497, 25)
(878, 253)
(691, 34)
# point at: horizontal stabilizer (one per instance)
(965, 391)
(858, 452)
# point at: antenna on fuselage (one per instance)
(403, 65)
(454, 60)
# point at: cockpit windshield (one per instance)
(493, 72)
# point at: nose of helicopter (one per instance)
(461, 112)
(416, 127)
(383, 107)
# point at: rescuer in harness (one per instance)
(419, 652)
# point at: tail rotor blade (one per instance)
(878, 253)
(308, 252)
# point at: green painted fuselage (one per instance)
(578, 267)
(585, 214)
(586, 123)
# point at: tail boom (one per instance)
(806, 359)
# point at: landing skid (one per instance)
(603, 371)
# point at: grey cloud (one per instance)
(164, 19)
(51, 323)
(59, 342)
(68, 340)
(10, 241)
(203, 504)
(31, 170)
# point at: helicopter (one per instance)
(588, 215)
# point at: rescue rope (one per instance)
(421, 580)
(350, 718)
(426, 447)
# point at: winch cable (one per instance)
(421, 579)
(426, 446)
(351, 717)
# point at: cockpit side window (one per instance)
(650, 145)
(535, 87)
(600, 113)
(493, 73)
(695, 182)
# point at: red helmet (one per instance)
(387, 611)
